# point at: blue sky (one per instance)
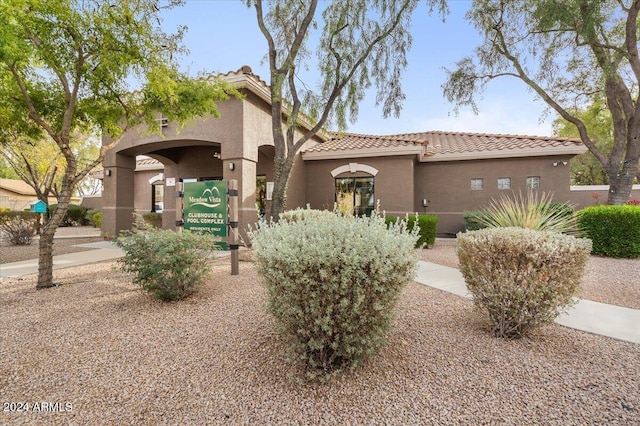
(223, 35)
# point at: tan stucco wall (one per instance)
(21, 202)
(13, 201)
(142, 188)
(584, 196)
(243, 127)
(393, 184)
(448, 184)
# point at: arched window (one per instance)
(355, 195)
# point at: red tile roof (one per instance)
(352, 141)
(442, 146)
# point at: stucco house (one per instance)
(17, 195)
(441, 173)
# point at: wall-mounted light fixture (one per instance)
(107, 172)
(232, 166)
(555, 163)
(216, 155)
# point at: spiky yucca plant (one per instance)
(533, 211)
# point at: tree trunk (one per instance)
(282, 170)
(620, 185)
(45, 258)
(45, 246)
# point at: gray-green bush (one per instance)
(333, 283)
(303, 214)
(521, 278)
(170, 265)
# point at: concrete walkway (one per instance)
(597, 318)
(593, 317)
(104, 250)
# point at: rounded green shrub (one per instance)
(97, 219)
(390, 220)
(75, 214)
(613, 230)
(473, 220)
(333, 283)
(427, 226)
(522, 278)
(171, 265)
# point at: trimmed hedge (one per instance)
(75, 215)
(89, 217)
(613, 230)
(471, 221)
(427, 224)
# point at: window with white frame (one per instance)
(533, 182)
(504, 183)
(476, 184)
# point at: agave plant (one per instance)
(533, 211)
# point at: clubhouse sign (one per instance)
(205, 208)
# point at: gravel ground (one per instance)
(118, 356)
(63, 243)
(612, 281)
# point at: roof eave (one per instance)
(360, 153)
(508, 153)
(245, 81)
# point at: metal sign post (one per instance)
(233, 225)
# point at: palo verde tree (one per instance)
(361, 43)
(567, 52)
(69, 68)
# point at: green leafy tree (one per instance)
(40, 164)
(585, 168)
(361, 43)
(6, 171)
(36, 162)
(567, 52)
(69, 67)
